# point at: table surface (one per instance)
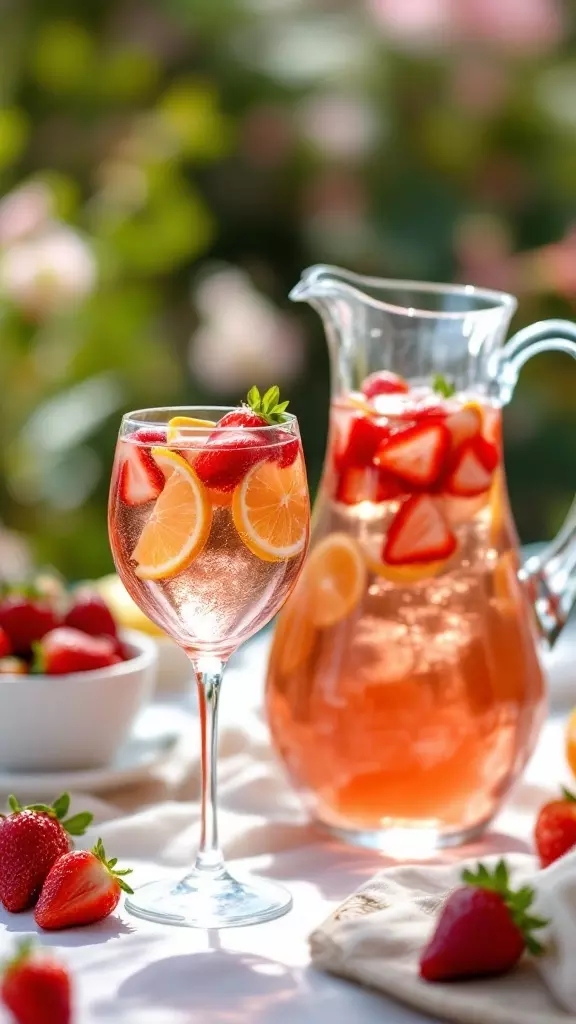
(129, 971)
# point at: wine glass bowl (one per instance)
(209, 527)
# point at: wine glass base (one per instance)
(200, 901)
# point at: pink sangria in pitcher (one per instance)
(405, 691)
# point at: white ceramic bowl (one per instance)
(51, 723)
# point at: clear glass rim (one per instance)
(160, 416)
(321, 279)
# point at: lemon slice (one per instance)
(177, 423)
(271, 510)
(336, 578)
(179, 524)
(406, 574)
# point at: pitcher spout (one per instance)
(317, 282)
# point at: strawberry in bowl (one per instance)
(71, 684)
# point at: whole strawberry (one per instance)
(36, 988)
(26, 619)
(67, 650)
(483, 929)
(31, 840)
(81, 888)
(555, 829)
(90, 614)
(226, 457)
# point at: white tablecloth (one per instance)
(129, 971)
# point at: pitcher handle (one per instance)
(550, 575)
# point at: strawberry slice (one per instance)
(384, 383)
(364, 438)
(140, 480)
(418, 533)
(242, 417)
(227, 457)
(354, 485)
(416, 454)
(81, 888)
(464, 424)
(471, 473)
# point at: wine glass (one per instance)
(209, 524)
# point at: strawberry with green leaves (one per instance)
(82, 887)
(555, 828)
(36, 987)
(483, 929)
(31, 840)
(228, 455)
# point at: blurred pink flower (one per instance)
(521, 25)
(341, 126)
(527, 25)
(47, 273)
(243, 339)
(24, 212)
(554, 266)
(414, 21)
(483, 248)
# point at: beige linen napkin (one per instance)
(376, 935)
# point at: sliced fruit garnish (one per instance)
(178, 426)
(179, 523)
(336, 578)
(384, 383)
(406, 574)
(140, 479)
(465, 423)
(416, 454)
(227, 456)
(270, 509)
(354, 485)
(267, 406)
(364, 437)
(473, 468)
(418, 533)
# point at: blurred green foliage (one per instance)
(155, 139)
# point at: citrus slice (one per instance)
(177, 423)
(271, 511)
(406, 574)
(336, 578)
(411, 572)
(179, 524)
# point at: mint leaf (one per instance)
(77, 825)
(442, 386)
(254, 397)
(61, 806)
(270, 399)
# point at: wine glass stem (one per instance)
(209, 859)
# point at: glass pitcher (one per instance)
(405, 692)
